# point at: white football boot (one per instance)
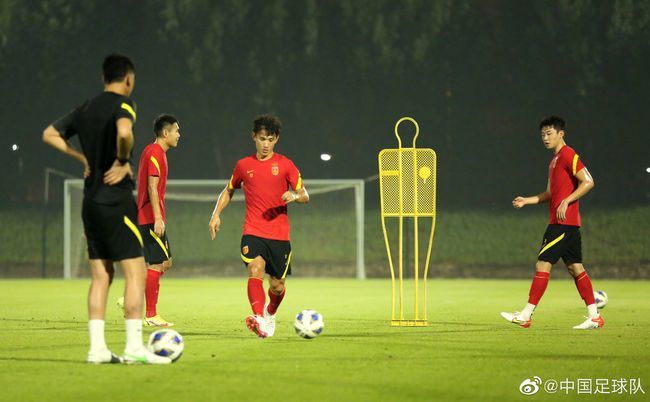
(516, 318)
(257, 325)
(270, 322)
(103, 356)
(143, 356)
(591, 323)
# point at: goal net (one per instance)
(327, 236)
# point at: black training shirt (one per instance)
(94, 123)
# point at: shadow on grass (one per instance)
(41, 360)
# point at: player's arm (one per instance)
(154, 200)
(586, 183)
(300, 196)
(520, 202)
(53, 138)
(222, 203)
(121, 167)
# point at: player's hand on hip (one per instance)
(561, 211)
(213, 226)
(519, 202)
(159, 227)
(117, 173)
(289, 196)
(86, 171)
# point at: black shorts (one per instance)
(156, 249)
(111, 230)
(276, 254)
(561, 241)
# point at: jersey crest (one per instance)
(275, 169)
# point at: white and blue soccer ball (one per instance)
(309, 324)
(166, 342)
(601, 298)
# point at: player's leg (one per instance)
(278, 268)
(101, 277)
(552, 248)
(256, 297)
(276, 293)
(158, 257)
(152, 291)
(583, 284)
(134, 284)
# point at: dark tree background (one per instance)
(477, 75)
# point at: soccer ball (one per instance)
(166, 342)
(309, 324)
(601, 298)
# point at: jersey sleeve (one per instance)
(237, 177)
(294, 179)
(574, 163)
(153, 164)
(66, 124)
(126, 109)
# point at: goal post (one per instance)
(327, 234)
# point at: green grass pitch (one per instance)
(466, 353)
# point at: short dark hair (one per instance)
(556, 122)
(116, 66)
(161, 122)
(267, 122)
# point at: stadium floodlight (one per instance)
(648, 170)
(325, 157)
(15, 147)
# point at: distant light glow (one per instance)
(15, 147)
(326, 157)
(648, 170)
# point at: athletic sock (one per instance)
(274, 301)
(538, 287)
(592, 310)
(152, 290)
(133, 334)
(96, 332)
(256, 296)
(583, 284)
(527, 312)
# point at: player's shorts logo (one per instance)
(275, 170)
(244, 250)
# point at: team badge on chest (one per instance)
(275, 169)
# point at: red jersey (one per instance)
(562, 174)
(264, 183)
(153, 162)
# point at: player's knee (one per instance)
(166, 265)
(575, 269)
(277, 287)
(543, 266)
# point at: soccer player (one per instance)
(271, 181)
(152, 182)
(568, 181)
(104, 125)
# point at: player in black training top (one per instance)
(104, 125)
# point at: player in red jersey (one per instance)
(271, 181)
(152, 183)
(568, 181)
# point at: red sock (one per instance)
(583, 283)
(537, 288)
(151, 291)
(275, 300)
(256, 295)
